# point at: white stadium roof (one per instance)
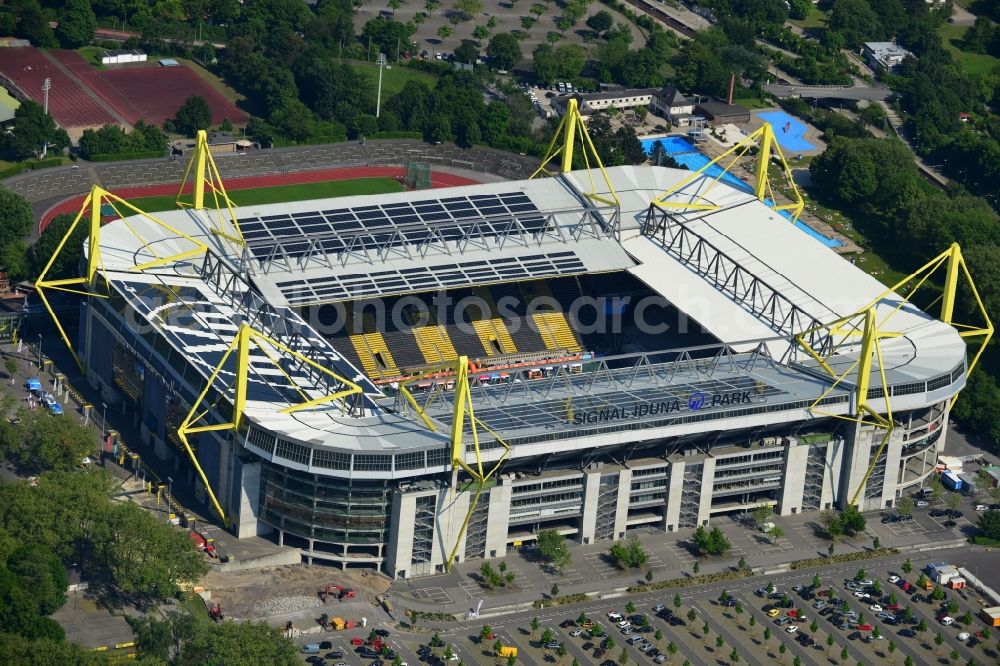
(439, 235)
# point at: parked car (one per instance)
(576, 632)
(659, 608)
(553, 645)
(791, 629)
(908, 633)
(894, 579)
(922, 503)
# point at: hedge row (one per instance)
(561, 601)
(693, 580)
(396, 135)
(30, 166)
(844, 557)
(118, 157)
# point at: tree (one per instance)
(466, 9)
(601, 22)
(448, 653)
(921, 626)
(734, 656)
(194, 115)
(719, 642)
(485, 632)
(762, 513)
(552, 547)
(535, 624)
(547, 635)
(467, 52)
(954, 501)
(629, 554)
(691, 615)
(695, 567)
(954, 655)
(561, 651)
(938, 593)
(623, 657)
(989, 524)
(817, 582)
(77, 24)
(892, 647)
(677, 600)
(497, 646)
(504, 51)
(767, 634)
(843, 654)
(553, 592)
(797, 661)
(237, 643)
(907, 566)
(908, 661)
(32, 129)
(782, 648)
(853, 519)
(649, 576)
(775, 533)
(704, 630)
(752, 621)
(905, 506)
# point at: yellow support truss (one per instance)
(763, 138)
(206, 174)
(571, 129)
(245, 339)
(84, 285)
(462, 411)
(865, 327)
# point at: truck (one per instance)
(506, 651)
(951, 481)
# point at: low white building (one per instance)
(122, 57)
(588, 103)
(884, 56)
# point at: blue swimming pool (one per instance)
(685, 153)
(789, 131)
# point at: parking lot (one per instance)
(818, 639)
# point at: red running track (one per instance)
(68, 103)
(150, 93)
(438, 180)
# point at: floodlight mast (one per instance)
(378, 100)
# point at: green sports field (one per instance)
(283, 193)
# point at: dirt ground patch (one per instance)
(243, 594)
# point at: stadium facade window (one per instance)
(293, 452)
(372, 463)
(413, 460)
(438, 457)
(328, 459)
(262, 439)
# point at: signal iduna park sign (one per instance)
(695, 402)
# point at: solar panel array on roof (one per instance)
(426, 278)
(400, 223)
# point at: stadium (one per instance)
(406, 380)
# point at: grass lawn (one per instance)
(394, 77)
(972, 63)
(282, 193)
(195, 605)
(92, 54)
(754, 103)
(815, 19)
(218, 84)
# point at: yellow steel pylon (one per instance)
(202, 167)
(461, 411)
(84, 285)
(245, 338)
(767, 146)
(571, 128)
(864, 325)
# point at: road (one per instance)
(858, 92)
